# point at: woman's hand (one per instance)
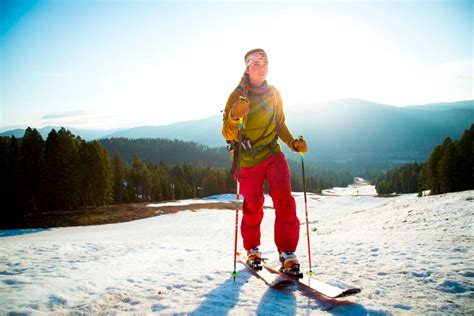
(299, 145)
(240, 108)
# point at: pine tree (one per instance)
(120, 176)
(209, 183)
(62, 166)
(106, 175)
(16, 174)
(423, 179)
(156, 186)
(69, 172)
(51, 184)
(446, 167)
(11, 187)
(96, 174)
(32, 165)
(230, 182)
(465, 160)
(432, 176)
(8, 205)
(140, 180)
(88, 173)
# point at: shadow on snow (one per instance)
(280, 302)
(221, 300)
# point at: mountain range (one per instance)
(343, 131)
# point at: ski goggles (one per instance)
(256, 57)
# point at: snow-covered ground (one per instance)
(409, 255)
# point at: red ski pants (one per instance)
(287, 226)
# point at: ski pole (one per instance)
(237, 198)
(306, 210)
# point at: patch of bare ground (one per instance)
(111, 214)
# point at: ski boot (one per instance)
(290, 264)
(254, 258)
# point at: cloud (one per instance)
(83, 119)
(64, 114)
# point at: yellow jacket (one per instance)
(263, 125)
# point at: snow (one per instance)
(222, 197)
(409, 255)
(207, 200)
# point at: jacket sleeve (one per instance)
(230, 127)
(282, 130)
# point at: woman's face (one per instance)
(258, 72)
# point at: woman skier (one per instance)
(260, 105)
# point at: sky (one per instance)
(117, 64)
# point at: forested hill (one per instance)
(349, 132)
(156, 150)
(65, 173)
(450, 168)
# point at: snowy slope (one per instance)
(410, 255)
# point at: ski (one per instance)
(313, 284)
(271, 279)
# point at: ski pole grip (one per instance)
(301, 138)
(241, 119)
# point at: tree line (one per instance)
(450, 168)
(157, 150)
(65, 172)
(169, 151)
